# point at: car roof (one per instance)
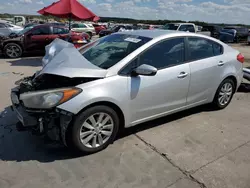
(151, 33)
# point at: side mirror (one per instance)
(145, 70)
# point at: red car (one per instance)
(98, 28)
(35, 38)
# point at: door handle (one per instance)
(182, 75)
(46, 38)
(221, 63)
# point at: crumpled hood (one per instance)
(63, 59)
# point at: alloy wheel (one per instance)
(225, 94)
(13, 51)
(96, 130)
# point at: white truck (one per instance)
(17, 20)
(187, 27)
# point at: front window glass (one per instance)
(108, 51)
(41, 31)
(171, 26)
(164, 54)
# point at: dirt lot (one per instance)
(192, 149)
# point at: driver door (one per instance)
(155, 96)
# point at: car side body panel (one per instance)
(132, 94)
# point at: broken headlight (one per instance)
(49, 98)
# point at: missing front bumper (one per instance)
(52, 123)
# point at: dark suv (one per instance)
(214, 29)
(241, 32)
(35, 38)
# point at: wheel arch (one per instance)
(15, 42)
(233, 78)
(111, 105)
(103, 103)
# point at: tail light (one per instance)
(241, 58)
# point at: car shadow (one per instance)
(164, 120)
(244, 88)
(26, 61)
(22, 146)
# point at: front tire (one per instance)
(13, 50)
(94, 129)
(224, 94)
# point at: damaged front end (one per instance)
(35, 102)
(36, 98)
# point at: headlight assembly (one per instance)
(48, 99)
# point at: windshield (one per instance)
(171, 26)
(25, 30)
(108, 51)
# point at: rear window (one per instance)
(200, 48)
(108, 51)
(171, 26)
(58, 30)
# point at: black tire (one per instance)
(14, 47)
(90, 35)
(81, 118)
(216, 103)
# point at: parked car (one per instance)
(214, 29)
(186, 27)
(248, 38)
(35, 38)
(98, 28)
(7, 28)
(241, 32)
(111, 30)
(228, 35)
(86, 96)
(82, 27)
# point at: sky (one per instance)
(213, 11)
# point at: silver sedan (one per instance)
(123, 80)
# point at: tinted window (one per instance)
(75, 26)
(58, 31)
(164, 54)
(82, 26)
(2, 25)
(218, 49)
(41, 31)
(189, 28)
(171, 26)
(201, 48)
(108, 51)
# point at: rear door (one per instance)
(38, 38)
(206, 65)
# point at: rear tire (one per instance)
(13, 50)
(224, 94)
(90, 133)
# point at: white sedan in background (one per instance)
(7, 28)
